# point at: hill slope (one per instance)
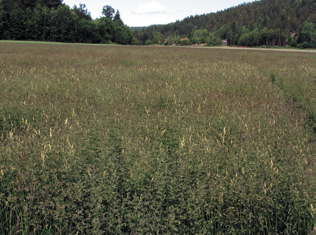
(266, 22)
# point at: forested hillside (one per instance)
(261, 23)
(265, 22)
(51, 20)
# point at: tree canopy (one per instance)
(260, 23)
(51, 20)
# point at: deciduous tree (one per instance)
(307, 35)
(108, 12)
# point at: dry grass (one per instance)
(155, 140)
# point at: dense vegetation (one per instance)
(53, 21)
(265, 22)
(148, 140)
(261, 23)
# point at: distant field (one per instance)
(148, 140)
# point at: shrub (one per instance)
(148, 42)
(185, 42)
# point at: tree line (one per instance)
(51, 20)
(260, 23)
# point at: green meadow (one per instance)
(155, 140)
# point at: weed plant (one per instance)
(145, 140)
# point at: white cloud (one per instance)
(150, 8)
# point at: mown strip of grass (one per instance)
(155, 140)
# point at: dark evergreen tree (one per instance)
(117, 16)
(2, 14)
(16, 24)
(51, 3)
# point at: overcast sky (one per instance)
(149, 12)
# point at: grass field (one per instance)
(155, 140)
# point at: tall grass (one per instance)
(134, 140)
